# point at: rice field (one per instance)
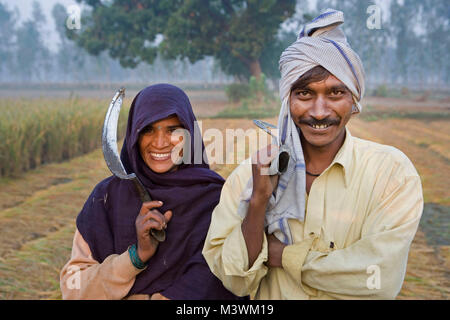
(40, 131)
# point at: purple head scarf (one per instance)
(107, 220)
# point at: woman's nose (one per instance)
(160, 139)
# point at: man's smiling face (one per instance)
(321, 110)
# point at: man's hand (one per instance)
(276, 248)
(149, 218)
(263, 184)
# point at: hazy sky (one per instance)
(25, 8)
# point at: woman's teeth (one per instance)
(322, 126)
(160, 155)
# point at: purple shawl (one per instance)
(107, 220)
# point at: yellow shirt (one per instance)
(361, 216)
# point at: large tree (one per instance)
(234, 32)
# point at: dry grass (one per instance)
(38, 210)
(36, 234)
(424, 142)
(427, 276)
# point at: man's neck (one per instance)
(317, 159)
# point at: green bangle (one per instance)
(135, 260)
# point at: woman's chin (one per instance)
(162, 167)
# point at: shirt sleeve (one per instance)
(85, 278)
(225, 250)
(374, 266)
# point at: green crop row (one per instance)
(39, 131)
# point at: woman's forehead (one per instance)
(170, 121)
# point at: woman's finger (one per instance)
(167, 216)
(155, 215)
(146, 206)
(151, 224)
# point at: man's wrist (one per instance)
(276, 248)
(259, 201)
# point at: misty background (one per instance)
(411, 48)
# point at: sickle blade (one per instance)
(265, 126)
(109, 137)
(278, 165)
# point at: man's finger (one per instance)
(267, 154)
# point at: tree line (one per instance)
(220, 40)
(25, 57)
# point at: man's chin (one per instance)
(318, 144)
(321, 141)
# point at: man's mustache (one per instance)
(315, 122)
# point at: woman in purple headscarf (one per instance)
(113, 254)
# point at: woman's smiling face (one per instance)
(157, 142)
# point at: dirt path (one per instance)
(38, 211)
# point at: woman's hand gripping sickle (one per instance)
(149, 218)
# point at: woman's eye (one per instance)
(147, 130)
(171, 130)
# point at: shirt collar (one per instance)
(344, 157)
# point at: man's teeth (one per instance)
(160, 155)
(322, 126)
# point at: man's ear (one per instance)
(355, 109)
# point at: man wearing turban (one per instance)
(338, 221)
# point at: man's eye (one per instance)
(303, 93)
(337, 92)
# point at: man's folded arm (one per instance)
(382, 251)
